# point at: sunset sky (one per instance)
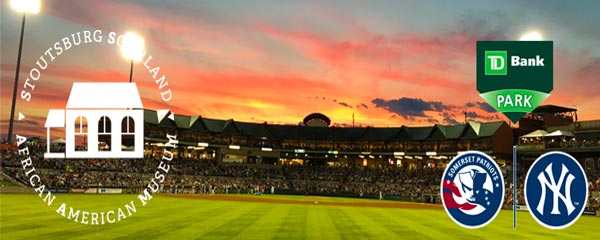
(388, 63)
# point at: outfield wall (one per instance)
(16, 189)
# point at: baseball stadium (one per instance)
(146, 119)
(251, 180)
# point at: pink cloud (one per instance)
(260, 70)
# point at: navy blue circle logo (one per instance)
(556, 190)
(472, 189)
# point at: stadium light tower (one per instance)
(132, 48)
(22, 6)
(531, 36)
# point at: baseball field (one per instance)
(262, 217)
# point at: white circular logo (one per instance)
(472, 189)
(106, 116)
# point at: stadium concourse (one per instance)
(226, 156)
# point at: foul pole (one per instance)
(514, 168)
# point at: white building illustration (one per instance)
(101, 120)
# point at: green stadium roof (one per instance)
(469, 131)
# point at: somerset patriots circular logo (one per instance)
(472, 189)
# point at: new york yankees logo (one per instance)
(556, 190)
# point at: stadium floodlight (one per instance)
(132, 48)
(26, 6)
(22, 6)
(531, 36)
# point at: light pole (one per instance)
(531, 36)
(22, 6)
(132, 48)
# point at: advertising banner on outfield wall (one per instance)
(78, 190)
(104, 190)
(589, 212)
(522, 208)
(59, 190)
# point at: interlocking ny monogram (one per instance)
(555, 188)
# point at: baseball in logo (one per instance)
(556, 190)
(472, 189)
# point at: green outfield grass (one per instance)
(27, 217)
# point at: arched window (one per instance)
(104, 134)
(81, 134)
(128, 134)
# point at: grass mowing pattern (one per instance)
(27, 217)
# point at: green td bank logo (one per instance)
(495, 63)
(514, 77)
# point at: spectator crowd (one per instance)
(203, 177)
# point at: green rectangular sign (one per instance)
(514, 77)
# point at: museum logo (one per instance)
(101, 120)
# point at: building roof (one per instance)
(150, 116)
(252, 129)
(213, 125)
(552, 109)
(443, 132)
(56, 118)
(489, 128)
(197, 124)
(455, 131)
(419, 133)
(102, 95)
(536, 134)
(319, 118)
(402, 135)
(286, 132)
(230, 128)
(345, 134)
(471, 130)
(183, 121)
